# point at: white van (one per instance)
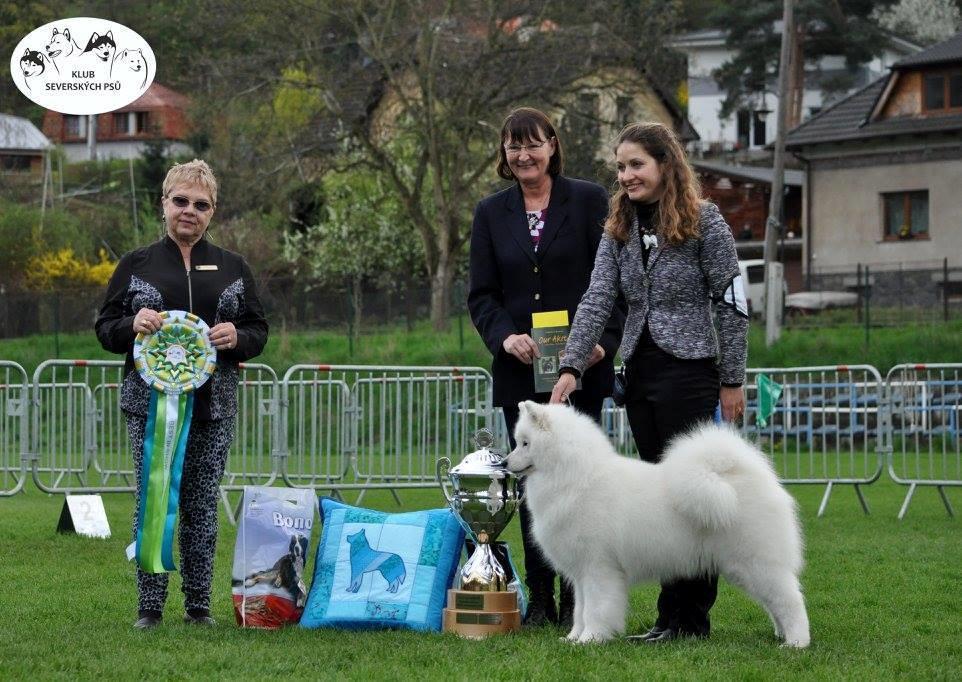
(753, 277)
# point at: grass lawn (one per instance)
(884, 598)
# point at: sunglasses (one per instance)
(184, 202)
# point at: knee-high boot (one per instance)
(539, 577)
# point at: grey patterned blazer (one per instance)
(674, 294)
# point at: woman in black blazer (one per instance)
(532, 250)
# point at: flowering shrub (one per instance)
(63, 268)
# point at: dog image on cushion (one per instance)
(364, 559)
(606, 521)
(287, 572)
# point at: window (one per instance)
(758, 119)
(14, 163)
(942, 91)
(955, 90)
(750, 128)
(906, 215)
(121, 124)
(74, 126)
(756, 274)
(142, 122)
(743, 128)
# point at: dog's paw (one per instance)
(796, 644)
(590, 637)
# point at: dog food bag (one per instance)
(273, 534)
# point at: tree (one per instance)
(823, 27)
(358, 239)
(926, 21)
(418, 88)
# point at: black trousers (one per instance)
(666, 396)
(539, 575)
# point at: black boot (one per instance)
(566, 610)
(541, 607)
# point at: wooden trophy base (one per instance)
(477, 615)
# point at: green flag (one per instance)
(768, 395)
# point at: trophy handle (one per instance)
(524, 491)
(443, 465)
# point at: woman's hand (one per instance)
(223, 336)
(563, 387)
(732, 403)
(147, 321)
(522, 347)
(597, 355)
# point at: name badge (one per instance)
(205, 267)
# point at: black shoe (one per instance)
(654, 632)
(199, 617)
(566, 610)
(541, 610)
(670, 635)
(148, 619)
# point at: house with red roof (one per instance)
(160, 113)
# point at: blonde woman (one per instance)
(185, 271)
(673, 257)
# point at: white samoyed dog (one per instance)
(606, 521)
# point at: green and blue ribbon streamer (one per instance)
(175, 361)
(165, 442)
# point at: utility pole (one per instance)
(773, 226)
(92, 137)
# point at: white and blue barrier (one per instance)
(341, 428)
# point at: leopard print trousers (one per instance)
(207, 446)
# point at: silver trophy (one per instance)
(484, 498)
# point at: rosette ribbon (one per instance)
(175, 361)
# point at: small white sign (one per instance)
(84, 515)
(83, 65)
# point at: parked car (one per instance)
(753, 277)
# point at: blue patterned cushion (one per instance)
(378, 570)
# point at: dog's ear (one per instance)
(539, 415)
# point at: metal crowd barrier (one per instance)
(825, 428)
(355, 427)
(925, 402)
(14, 426)
(78, 440)
(79, 436)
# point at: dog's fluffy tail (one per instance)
(698, 466)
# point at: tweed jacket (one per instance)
(673, 295)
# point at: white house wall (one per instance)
(847, 215)
(705, 97)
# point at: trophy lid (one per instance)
(483, 461)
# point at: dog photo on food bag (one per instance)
(606, 521)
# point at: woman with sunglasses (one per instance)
(532, 249)
(185, 271)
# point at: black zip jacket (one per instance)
(218, 288)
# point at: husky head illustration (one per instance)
(101, 46)
(32, 63)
